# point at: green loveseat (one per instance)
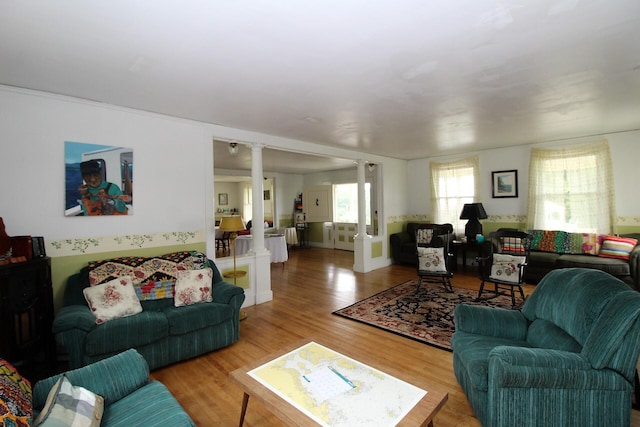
(162, 333)
(130, 397)
(567, 359)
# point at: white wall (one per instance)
(625, 152)
(171, 161)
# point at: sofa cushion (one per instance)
(617, 247)
(193, 287)
(15, 397)
(182, 320)
(544, 334)
(615, 267)
(112, 300)
(127, 332)
(505, 268)
(69, 405)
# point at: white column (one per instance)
(263, 257)
(362, 207)
(362, 241)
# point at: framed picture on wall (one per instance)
(504, 184)
(223, 198)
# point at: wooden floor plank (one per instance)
(314, 283)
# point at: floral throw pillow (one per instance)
(193, 286)
(431, 260)
(505, 267)
(112, 300)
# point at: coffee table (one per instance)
(308, 383)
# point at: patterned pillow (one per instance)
(15, 397)
(69, 405)
(112, 300)
(424, 236)
(505, 267)
(617, 247)
(193, 286)
(432, 260)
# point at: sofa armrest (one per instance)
(521, 367)
(74, 317)
(488, 321)
(634, 266)
(112, 378)
(223, 292)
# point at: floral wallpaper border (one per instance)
(91, 245)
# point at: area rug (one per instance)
(425, 315)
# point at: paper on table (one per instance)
(326, 383)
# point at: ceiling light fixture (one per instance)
(371, 166)
(233, 148)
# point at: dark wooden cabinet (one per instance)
(26, 317)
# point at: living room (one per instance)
(174, 182)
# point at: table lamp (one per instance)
(231, 225)
(473, 212)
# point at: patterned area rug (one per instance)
(425, 316)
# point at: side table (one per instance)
(460, 247)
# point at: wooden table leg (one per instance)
(245, 401)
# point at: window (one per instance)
(571, 189)
(345, 202)
(453, 185)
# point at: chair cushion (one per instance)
(544, 334)
(182, 320)
(505, 267)
(431, 260)
(613, 266)
(127, 332)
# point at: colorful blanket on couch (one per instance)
(562, 242)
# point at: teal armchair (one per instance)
(567, 359)
(130, 397)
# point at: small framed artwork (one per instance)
(504, 184)
(223, 198)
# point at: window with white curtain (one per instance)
(453, 184)
(571, 189)
(247, 197)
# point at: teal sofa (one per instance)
(130, 397)
(567, 359)
(162, 333)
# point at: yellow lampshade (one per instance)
(231, 224)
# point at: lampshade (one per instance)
(231, 224)
(473, 211)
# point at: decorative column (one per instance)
(362, 241)
(263, 257)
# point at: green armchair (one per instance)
(130, 397)
(568, 358)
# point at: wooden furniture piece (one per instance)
(434, 257)
(280, 372)
(459, 247)
(26, 317)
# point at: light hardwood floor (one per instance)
(306, 290)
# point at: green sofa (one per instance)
(162, 333)
(130, 397)
(567, 359)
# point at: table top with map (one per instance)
(320, 384)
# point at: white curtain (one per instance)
(571, 189)
(247, 210)
(453, 184)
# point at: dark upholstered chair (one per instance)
(567, 359)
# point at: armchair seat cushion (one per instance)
(127, 332)
(197, 316)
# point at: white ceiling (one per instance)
(403, 78)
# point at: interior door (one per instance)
(318, 203)
(344, 233)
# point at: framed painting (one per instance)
(223, 198)
(504, 184)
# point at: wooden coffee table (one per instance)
(311, 384)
